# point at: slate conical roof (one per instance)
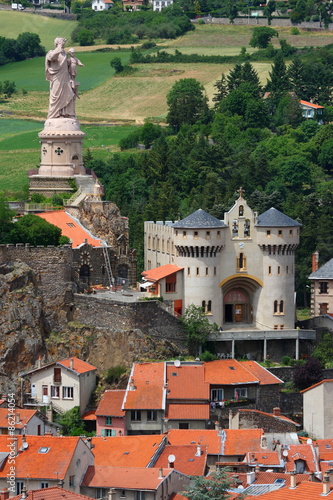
(199, 219)
(275, 218)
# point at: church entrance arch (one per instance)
(238, 293)
(85, 273)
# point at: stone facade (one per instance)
(259, 420)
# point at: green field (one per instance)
(12, 23)
(20, 148)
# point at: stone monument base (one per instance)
(61, 148)
(47, 186)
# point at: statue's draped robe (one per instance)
(62, 97)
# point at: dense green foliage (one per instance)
(115, 26)
(197, 328)
(71, 422)
(26, 46)
(214, 487)
(261, 36)
(306, 375)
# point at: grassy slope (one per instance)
(12, 23)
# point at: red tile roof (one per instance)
(228, 372)
(327, 380)
(33, 464)
(270, 477)
(311, 105)
(187, 412)
(147, 379)
(304, 452)
(264, 376)
(22, 417)
(206, 438)
(79, 366)
(54, 493)
(324, 445)
(263, 458)
(71, 228)
(158, 273)
(187, 461)
(187, 382)
(239, 441)
(110, 404)
(126, 451)
(130, 478)
(304, 491)
(89, 415)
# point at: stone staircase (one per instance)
(85, 185)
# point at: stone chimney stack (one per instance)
(315, 259)
(326, 485)
(276, 411)
(160, 476)
(71, 363)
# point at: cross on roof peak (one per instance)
(241, 191)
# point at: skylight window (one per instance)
(327, 446)
(43, 449)
(174, 374)
(231, 367)
(126, 452)
(279, 481)
(70, 224)
(191, 459)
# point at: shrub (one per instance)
(85, 37)
(114, 373)
(148, 45)
(286, 360)
(308, 374)
(207, 356)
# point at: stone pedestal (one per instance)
(61, 148)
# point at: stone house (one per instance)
(43, 461)
(269, 422)
(133, 483)
(62, 385)
(321, 287)
(318, 410)
(240, 270)
(110, 418)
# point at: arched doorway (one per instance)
(238, 293)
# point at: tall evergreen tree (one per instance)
(296, 75)
(221, 90)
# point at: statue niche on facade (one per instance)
(60, 71)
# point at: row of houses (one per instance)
(131, 5)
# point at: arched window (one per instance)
(281, 306)
(247, 228)
(235, 228)
(209, 306)
(241, 211)
(203, 305)
(241, 260)
(275, 306)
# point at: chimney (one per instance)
(17, 418)
(23, 439)
(24, 492)
(257, 468)
(15, 446)
(60, 483)
(276, 411)
(292, 480)
(326, 485)
(4, 495)
(71, 363)
(160, 473)
(198, 452)
(315, 259)
(112, 494)
(39, 362)
(217, 425)
(131, 385)
(250, 477)
(312, 477)
(49, 414)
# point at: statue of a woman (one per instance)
(62, 95)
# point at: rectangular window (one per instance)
(55, 391)
(323, 308)
(183, 425)
(152, 415)
(184, 234)
(218, 234)
(279, 270)
(214, 271)
(290, 232)
(217, 394)
(101, 492)
(196, 234)
(136, 416)
(208, 234)
(188, 271)
(281, 327)
(108, 420)
(72, 481)
(269, 270)
(67, 392)
(109, 432)
(206, 271)
(19, 486)
(240, 393)
(123, 494)
(170, 287)
(198, 271)
(140, 495)
(44, 484)
(323, 287)
(268, 232)
(280, 232)
(57, 375)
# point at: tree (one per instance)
(308, 374)
(71, 422)
(8, 88)
(6, 215)
(85, 37)
(29, 45)
(324, 350)
(116, 64)
(261, 36)
(197, 327)
(278, 82)
(35, 231)
(213, 487)
(269, 9)
(187, 103)
(221, 90)
(296, 77)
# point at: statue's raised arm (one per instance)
(62, 94)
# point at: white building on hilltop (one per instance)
(239, 270)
